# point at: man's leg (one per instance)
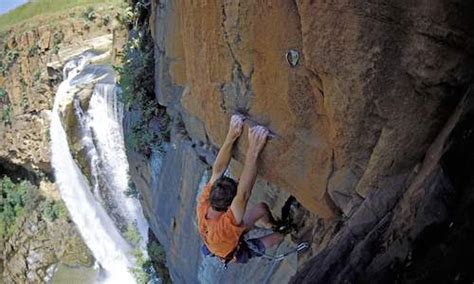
(272, 239)
(259, 215)
(257, 247)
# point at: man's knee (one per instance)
(262, 206)
(260, 210)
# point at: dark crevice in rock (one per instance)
(331, 172)
(19, 172)
(226, 35)
(295, 214)
(238, 92)
(240, 85)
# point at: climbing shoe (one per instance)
(282, 227)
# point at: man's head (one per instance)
(222, 193)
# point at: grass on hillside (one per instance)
(44, 7)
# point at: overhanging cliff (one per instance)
(365, 101)
(360, 124)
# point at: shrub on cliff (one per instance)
(158, 259)
(52, 210)
(16, 199)
(8, 57)
(7, 113)
(136, 79)
(89, 14)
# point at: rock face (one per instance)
(31, 69)
(359, 125)
(40, 245)
(40, 235)
(364, 102)
(31, 59)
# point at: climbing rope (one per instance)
(280, 257)
(302, 246)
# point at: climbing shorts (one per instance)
(245, 251)
(248, 249)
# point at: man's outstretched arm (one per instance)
(225, 153)
(257, 138)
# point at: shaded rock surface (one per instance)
(360, 127)
(416, 235)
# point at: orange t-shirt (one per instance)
(222, 235)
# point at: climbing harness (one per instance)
(276, 258)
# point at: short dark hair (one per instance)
(222, 193)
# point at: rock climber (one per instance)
(222, 211)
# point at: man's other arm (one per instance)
(257, 138)
(225, 153)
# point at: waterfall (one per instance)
(101, 212)
(106, 114)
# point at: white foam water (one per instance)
(102, 137)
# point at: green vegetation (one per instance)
(141, 139)
(7, 112)
(157, 255)
(6, 109)
(33, 50)
(53, 210)
(137, 84)
(44, 7)
(37, 74)
(89, 14)
(24, 100)
(106, 20)
(57, 39)
(18, 200)
(3, 95)
(8, 57)
(23, 88)
(147, 268)
(132, 190)
(139, 271)
(131, 234)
